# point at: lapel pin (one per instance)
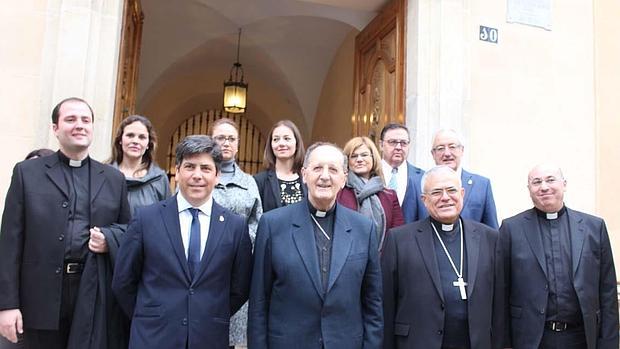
(470, 182)
(221, 218)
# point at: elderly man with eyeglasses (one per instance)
(560, 276)
(479, 204)
(399, 174)
(443, 275)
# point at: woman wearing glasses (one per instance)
(365, 191)
(238, 192)
(280, 184)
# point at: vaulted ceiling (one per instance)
(287, 48)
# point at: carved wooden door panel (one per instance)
(379, 72)
(129, 58)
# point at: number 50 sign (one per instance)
(488, 34)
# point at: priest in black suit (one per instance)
(56, 242)
(560, 275)
(442, 276)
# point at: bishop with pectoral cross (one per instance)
(442, 277)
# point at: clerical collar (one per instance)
(551, 215)
(72, 163)
(319, 213)
(444, 227)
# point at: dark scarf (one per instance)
(367, 200)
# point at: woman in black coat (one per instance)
(280, 184)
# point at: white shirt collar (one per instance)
(387, 168)
(184, 205)
(459, 171)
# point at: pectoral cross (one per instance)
(461, 285)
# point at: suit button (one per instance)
(184, 322)
(542, 311)
(546, 287)
(65, 204)
(191, 291)
(320, 340)
(58, 270)
(440, 332)
(61, 237)
(443, 306)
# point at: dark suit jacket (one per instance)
(32, 244)
(413, 207)
(478, 204)
(389, 202)
(288, 308)
(412, 291)
(269, 189)
(594, 279)
(153, 285)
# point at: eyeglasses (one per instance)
(361, 155)
(223, 139)
(394, 142)
(437, 193)
(537, 182)
(442, 148)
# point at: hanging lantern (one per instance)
(235, 89)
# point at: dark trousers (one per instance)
(57, 339)
(569, 339)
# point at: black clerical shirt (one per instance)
(323, 242)
(77, 232)
(562, 304)
(456, 323)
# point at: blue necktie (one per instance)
(193, 252)
(393, 180)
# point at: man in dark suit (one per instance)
(55, 219)
(560, 276)
(442, 276)
(400, 175)
(316, 281)
(185, 263)
(478, 204)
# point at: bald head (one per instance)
(547, 185)
(443, 194)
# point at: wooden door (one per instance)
(129, 59)
(379, 72)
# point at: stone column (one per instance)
(51, 50)
(437, 78)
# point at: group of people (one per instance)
(333, 248)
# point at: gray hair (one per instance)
(321, 144)
(448, 130)
(445, 169)
(198, 144)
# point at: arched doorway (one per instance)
(251, 140)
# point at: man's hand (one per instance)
(97, 241)
(11, 324)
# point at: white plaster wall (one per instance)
(607, 76)
(527, 99)
(51, 50)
